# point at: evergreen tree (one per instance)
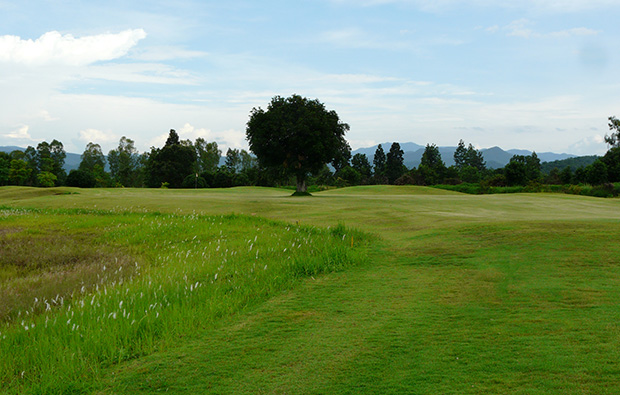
(394, 165)
(360, 163)
(432, 168)
(460, 155)
(474, 158)
(379, 162)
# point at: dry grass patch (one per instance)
(41, 267)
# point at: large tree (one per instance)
(172, 163)
(360, 163)
(207, 155)
(92, 156)
(394, 164)
(432, 168)
(379, 162)
(50, 159)
(123, 163)
(296, 134)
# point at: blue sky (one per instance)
(530, 74)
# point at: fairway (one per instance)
(458, 294)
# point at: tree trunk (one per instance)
(301, 184)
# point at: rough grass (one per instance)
(194, 271)
(512, 294)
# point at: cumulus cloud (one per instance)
(588, 145)
(55, 48)
(94, 135)
(225, 139)
(20, 134)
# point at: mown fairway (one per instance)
(462, 294)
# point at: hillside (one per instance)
(573, 163)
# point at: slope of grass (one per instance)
(465, 294)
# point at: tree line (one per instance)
(297, 142)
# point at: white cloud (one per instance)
(578, 31)
(162, 53)
(46, 116)
(225, 139)
(521, 28)
(20, 134)
(588, 145)
(97, 136)
(55, 48)
(148, 73)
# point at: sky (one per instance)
(541, 75)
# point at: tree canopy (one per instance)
(172, 163)
(298, 135)
(394, 164)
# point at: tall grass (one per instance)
(190, 270)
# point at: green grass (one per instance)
(463, 294)
(194, 271)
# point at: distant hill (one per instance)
(574, 163)
(495, 157)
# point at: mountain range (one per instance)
(495, 157)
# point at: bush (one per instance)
(405, 179)
(81, 179)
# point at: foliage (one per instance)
(350, 176)
(5, 166)
(522, 169)
(124, 163)
(614, 139)
(19, 172)
(432, 168)
(207, 154)
(296, 134)
(172, 163)
(460, 155)
(50, 159)
(612, 164)
(394, 164)
(92, 157)
(431, 158)
(379, 162)
(233, 160)
(573, 163)
(360, 163)
(81, 179)
(46, 179)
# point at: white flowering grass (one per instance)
(180, 274)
